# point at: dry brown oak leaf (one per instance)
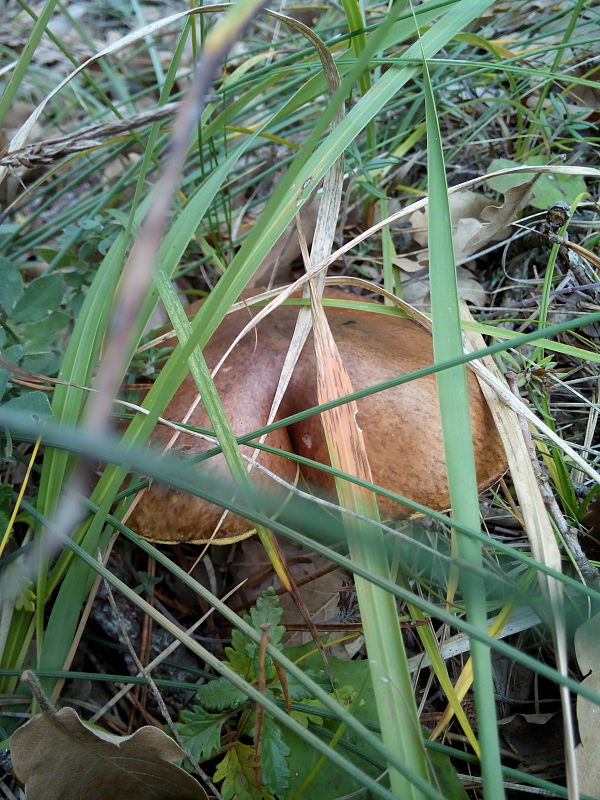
(58, 758)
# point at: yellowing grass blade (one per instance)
(392, 685)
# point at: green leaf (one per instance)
(273, 758)
(5, 496)
(267, 611)
(329, 783)
(299, 692)
(43, 363)
(40, 335)
(548, 188)
(201, 731)
(447, 780)
(238, 640)
(11, 285)
(6, 503)
(220, 694)
(35, 403)
(243, 654)
(40, 299)
(239, 661)
(238, 773)
(14, 354)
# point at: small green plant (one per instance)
(258, 759)
(255, 758)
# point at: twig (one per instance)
(35, 686)
(158, 697)
(161, 657)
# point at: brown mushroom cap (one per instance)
(401, 426)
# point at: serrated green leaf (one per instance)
(11, 285)
(267, 611)
(240, 662)
(42, 297)
(238, 772)
(220, 694)
(273, 758)
(201, 731)
(238, 640)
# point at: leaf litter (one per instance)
(58, 757)
(476, 225)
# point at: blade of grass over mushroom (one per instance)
(218, 418)
(174, 472)
(391, 679)
(424, 632)
(70, 442)
(456, 427)
(64, 438)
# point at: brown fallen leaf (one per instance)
(415, 284)
(587, 650)
(464, 205)
(497, 219)
(475, 221)
(58, 757)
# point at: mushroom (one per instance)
(401, 426)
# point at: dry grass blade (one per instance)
(390, 675)
(538, 528)
(35, 155)
(317, 268)
(342, 430)
(327, 218)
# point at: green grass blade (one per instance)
(20, 70)
(458, 445)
